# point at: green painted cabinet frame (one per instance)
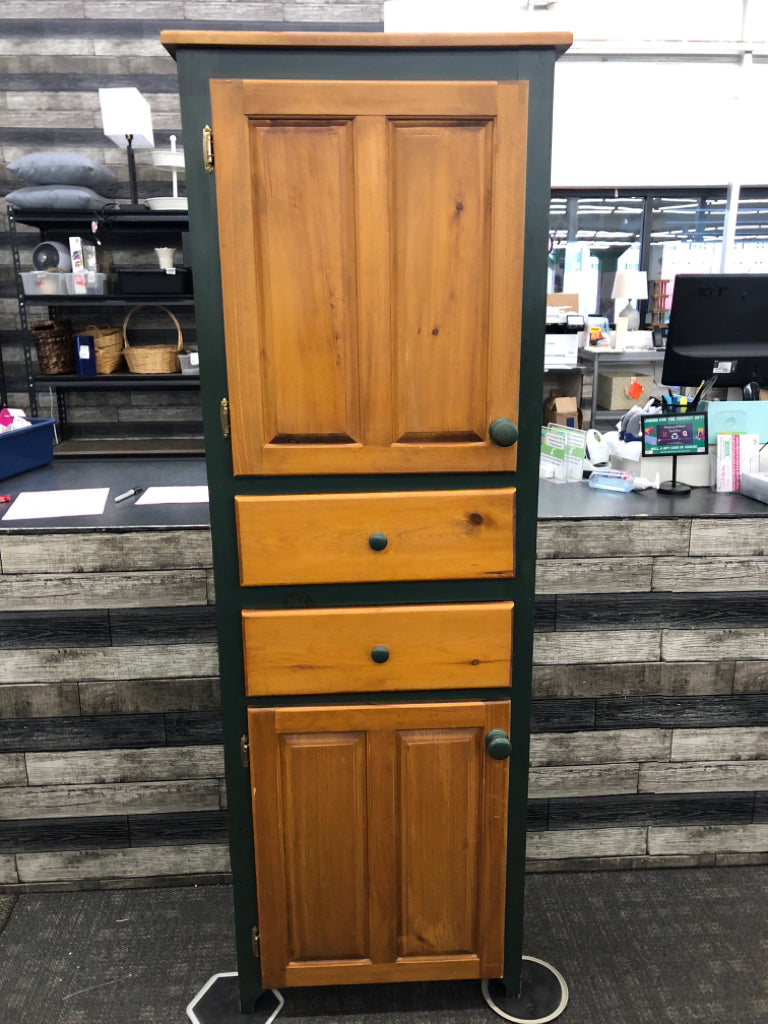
(200, 57)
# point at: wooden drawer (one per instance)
(418, 647)
(328, 538)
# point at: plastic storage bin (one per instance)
(26, 448)
(95, 283)
(45, 282)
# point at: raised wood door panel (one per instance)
(326, 538)
(380, 839)
(371, 241)
(366, 650)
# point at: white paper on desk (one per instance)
(87, 501)
(192, 495)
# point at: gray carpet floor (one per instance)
(653, 947)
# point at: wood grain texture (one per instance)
(131, 551)
(330, 650)
(589, 538)
(56, 629)
(78, 733)
(651, 809)
(38, 700)
(141, 626)
(12, 771)
(182, 829)
(583, 780)
(708, 839)
(704, 777)
(709, 575)
(618, 645)
(147, 696)
(44, 591)
(713, 644)
(601, 747)
(435, 206)
(112, 663)
(634, 679)
(147, 764)
(595, 842)
(750, 676)
(593, 575)
(715, 537)
(720, 744)
(48, 834)
(325, 538)
(121, 798)
(656, 610)
(417, 882)
(8, 873)
(681, 712)
(139, 862)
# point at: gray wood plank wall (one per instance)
(54, 58)
(650, 710)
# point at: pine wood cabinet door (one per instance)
(371, 246)
(379, 837)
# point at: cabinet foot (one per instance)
(543, 994)
(218, 1002)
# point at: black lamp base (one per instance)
(675, 488)
(543, 994)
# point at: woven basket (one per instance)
(152, 358)
(107, 347)
(55, 345)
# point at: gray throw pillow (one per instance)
(64, 169)
(56, 197)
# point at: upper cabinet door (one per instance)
(371, 243)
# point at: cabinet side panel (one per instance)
(323, 785)
(439, 829)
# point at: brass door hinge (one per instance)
(244, 760)
(208, 149)
(255, 942)
(224, 417)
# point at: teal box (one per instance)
(26, 448)
(735, 418)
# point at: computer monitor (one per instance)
(718, 332)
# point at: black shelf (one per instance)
(114, 301)
(119, 381)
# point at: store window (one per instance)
(592, 237)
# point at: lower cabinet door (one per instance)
(380, 840)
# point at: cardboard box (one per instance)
(736, 418)
(562, 410)
(613, 389)
(26, 448)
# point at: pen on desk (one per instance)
(129, 494)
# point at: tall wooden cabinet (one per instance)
(369, 216)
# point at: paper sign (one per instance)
(89, 501)
(194, 495)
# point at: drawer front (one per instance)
(351, 538)
(412, 647)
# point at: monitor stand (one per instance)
(672, 486)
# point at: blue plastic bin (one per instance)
(26, 448)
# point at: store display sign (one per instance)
(684, 434)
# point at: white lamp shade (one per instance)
(630, 284)
(126, 112)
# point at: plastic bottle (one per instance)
(611, 480)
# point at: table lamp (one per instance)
(127, 121)
(630, 284)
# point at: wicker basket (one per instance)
(55, 345)
(152, 358)
(107, 347)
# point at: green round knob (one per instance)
(380, 655)
(378, 541)
(503, 432)
(498, 744)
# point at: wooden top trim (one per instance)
(173, 39)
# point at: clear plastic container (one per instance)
(611, 480)
(45, 282)
(95, 283)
